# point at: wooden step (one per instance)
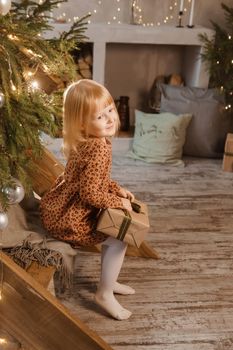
(36, 318)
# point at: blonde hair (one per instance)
(82, 99)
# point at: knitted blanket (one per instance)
(25, 240)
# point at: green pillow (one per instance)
(159, 138)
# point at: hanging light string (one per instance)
(173, 10)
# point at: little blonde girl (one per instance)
(69, 210)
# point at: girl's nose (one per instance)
(109, 117)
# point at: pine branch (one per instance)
(26, 113)
(218, 56)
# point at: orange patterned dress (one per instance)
(69, 210)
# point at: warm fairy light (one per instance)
(217, 62)
(229, 37)
(13, 87)
(13, 37)
(34, 85)
(29, 73)
(3, 341)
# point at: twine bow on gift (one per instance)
(127, 221)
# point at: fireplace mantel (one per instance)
(100, 34)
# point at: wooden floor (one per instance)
(184, 300)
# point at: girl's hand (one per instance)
(126, 204)
(126, 194)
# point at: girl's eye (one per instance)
(111, 110)
(99, 117)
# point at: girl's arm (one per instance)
(91, 180)
(114, 187)
(120, 191)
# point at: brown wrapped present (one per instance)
(228, 154)
(130, 227)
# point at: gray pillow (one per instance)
(209, 126)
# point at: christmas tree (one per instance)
(26, 108)
(218, 53)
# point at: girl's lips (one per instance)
(110, 126)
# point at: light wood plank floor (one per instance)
(184, 300)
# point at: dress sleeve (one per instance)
(114, 187)
(92, 177)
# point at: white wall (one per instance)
(153, 10)
(131, 69)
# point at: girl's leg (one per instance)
(113, 252)
(119, 288)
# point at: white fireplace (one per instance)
(177, 44)
(193, 71)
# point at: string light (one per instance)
(34, 85)
(117, 13)
(13, 87)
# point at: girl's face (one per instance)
(103, 124)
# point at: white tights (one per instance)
(112, 257)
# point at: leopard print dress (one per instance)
(69, 210)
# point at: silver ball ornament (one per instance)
(2, 99)
(5, 6)
(15, 194)
(3, 220)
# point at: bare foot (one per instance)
(111, 305)
(123, 289)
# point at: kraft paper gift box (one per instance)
(130, 227)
